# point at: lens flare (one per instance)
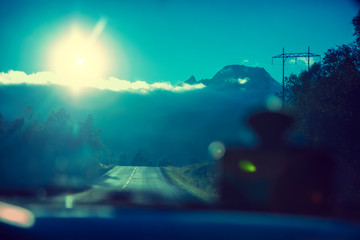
(69, 201)
(242, 80)
(79, 59)
(216, 149)
(16, 216)
(247, 166)
(274, 104)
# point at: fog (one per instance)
(176, 125)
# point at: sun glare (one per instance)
(79, 58)
(80, 61)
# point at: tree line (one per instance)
(326, 101)
(57, 150)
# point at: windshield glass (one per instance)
(245, 105)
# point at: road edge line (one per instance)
(193, 191)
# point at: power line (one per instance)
(285, 56)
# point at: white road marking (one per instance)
(132, 174)
(112, 170)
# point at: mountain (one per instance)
(240, 77)
(191, 81)
(177, 125)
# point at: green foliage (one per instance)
(326, 98)
(356, 23)
(122, 159)
(90, 134)
(195, 160)
(56, 151)
(326, 101)
(165, 162)
(202, 176)
(141, 158)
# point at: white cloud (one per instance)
(112, 83)
(305, 61)
(302, 61)
(243, 80)
(18, 77)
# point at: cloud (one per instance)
(249, 63)
(302, 61)
(112, 83)
(305, 61)
(18, 77)
(243, 80)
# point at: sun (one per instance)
(80, 61)
(79, 58)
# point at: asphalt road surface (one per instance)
(146, 185)
(149, 179)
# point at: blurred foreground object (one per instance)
(276, 176)
(16, 216)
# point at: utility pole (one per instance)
(285, 56)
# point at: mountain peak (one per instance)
(231, 73)
(191, 80)
(241, 77)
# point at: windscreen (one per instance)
(246, 105)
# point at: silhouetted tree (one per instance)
(89, 134)
(356, 23)
(141, 158)
(195, 160)
(122, 159)
(3, 126)
(41, 152)
(165, 162)
(29, 112)
(326, 100)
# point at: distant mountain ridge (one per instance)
(239, 77)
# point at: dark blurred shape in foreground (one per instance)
(275, 176)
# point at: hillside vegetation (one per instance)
(326, 102)
(57, 151)
(198, 179)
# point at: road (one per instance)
(146, 183)
(149, 179)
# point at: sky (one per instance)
(170, 40)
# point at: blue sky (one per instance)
(170, 40)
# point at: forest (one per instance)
(56, 151)
(326, 101)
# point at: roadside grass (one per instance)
(102, 169)
(200, 180)
(90, 195)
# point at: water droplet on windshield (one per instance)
(247, 166)
(273, 103)
(217, 149)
